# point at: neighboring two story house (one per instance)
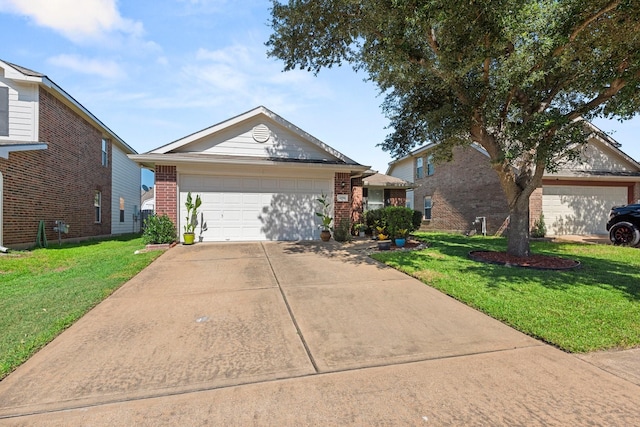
(575, 200)
(58, 162)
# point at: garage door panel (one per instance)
(262, 209)
(579, 209)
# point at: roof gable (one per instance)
(258, 133)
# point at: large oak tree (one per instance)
(515, 76)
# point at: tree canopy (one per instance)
(515, 76)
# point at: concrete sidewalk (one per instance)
(300, 334)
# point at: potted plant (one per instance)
(401, 237)
(192, 219)
(359, 228)
(325, 234)
(384, 244)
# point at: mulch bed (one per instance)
(541, 262)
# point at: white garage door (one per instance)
(254, 208)
(579, 210)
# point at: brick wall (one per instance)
(535, 206)
(462, 190)
(356, 200)
(166, 192)
(57, 183)
(341, 210)
(397, 197)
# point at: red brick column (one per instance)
(356, 200)
(341, 210)
(166, 192)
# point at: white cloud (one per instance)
(241, 74)
(80, 21)
(106, 69)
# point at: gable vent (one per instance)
(261, 133)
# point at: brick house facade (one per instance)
(460, 191)
(575, 200)
(60, 180)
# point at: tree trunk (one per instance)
(518, 239)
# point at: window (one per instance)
(97, 204)
(409, 199)
(430, 165)
(105, 153)
(419, 169)
(375, 199)
(4, 111)
(427, 208)
(121, 209)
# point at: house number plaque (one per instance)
(342, 198)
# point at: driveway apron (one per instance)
(300, 334)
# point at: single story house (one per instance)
(59, 164)
(575, 200)
(259, 178)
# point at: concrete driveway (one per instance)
(300, 334)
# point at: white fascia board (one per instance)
(6, 149)
(150, 160)
(13, 74)
(246, 116)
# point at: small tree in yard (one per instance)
(515, 76)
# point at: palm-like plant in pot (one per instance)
(325, 234)
(192, 218)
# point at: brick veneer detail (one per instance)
(341, 210)
(166, 192)
(57, 183)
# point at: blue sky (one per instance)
(157, 70)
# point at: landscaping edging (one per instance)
(535, 262)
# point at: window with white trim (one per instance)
(419, 168)
(4, 111)
(105, 152)
(427, 208)
(97, 205)
(121, 209)
(430, 165)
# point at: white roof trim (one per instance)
(244, 117)
(152, 159)
(6, 149)
(14, 74)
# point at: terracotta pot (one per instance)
(325, 235)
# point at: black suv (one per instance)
(624, 225)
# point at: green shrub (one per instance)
(417, 220)
(372, 219)
(159, 229)
(539, 228)
(342, 233)
(398, 218)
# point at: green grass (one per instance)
(594, 307)
(44, 291)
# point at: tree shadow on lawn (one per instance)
(594, 271)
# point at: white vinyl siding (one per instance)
(23, 111)
(403, 170)
(125, 175)
(579, 210)
(239, 141)
(236, 208)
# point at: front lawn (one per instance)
(594, 307)
(44, 291)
